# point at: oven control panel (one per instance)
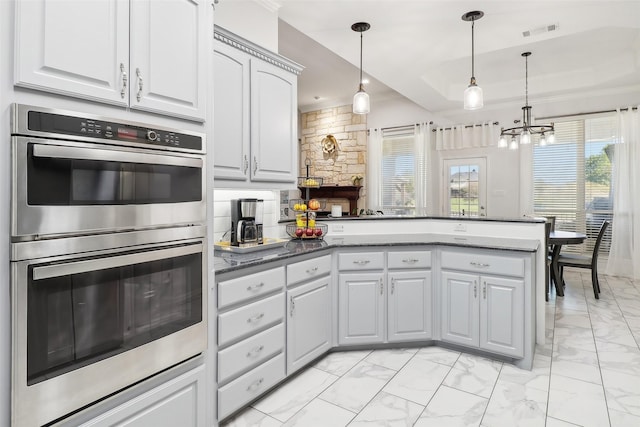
(60, 124)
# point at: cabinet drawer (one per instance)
(250, 318)
(250, 352)
(309, 269)
(409, 259)
(361, 261)
(483, 263)
(249, 386)
(240, 289)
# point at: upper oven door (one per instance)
(64, 187)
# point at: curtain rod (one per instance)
(467, 126)
(586, 114)
(400, 127)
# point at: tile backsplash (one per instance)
(222, 211)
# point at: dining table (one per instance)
(557, 239)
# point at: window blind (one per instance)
(402, 172)
(572, 178)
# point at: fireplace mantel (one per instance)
(349, 192)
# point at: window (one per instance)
(403, 175)
(572, 177)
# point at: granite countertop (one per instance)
(227, 261)
(524, 219)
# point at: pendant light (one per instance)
(526, 132)
(473, 93)
(361, 98)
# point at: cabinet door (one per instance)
(274, 100)
(409, 306)
(361, 308)
(308, 323)
(169, 57)
(460, 311)
(502, 315)
(75, 48)
(231, 99)
(179, 402)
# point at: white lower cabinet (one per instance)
(481, 310)
(398, 297)
(308, 322)
(409, 306)
(178, 402)
(249, 386)
(361, 314)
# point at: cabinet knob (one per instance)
(255, 351)
(255, 318)
(312, 270)
(140, 84)
(255, 385)
(255, 287)
(125, 80)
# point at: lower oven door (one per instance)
(88, 326)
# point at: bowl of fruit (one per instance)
(317, 231)
(309, 182)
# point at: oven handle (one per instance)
(49, 271)
(59, 152)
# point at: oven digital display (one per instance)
(127, 133)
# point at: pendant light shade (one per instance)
(361, 104)
(473, 94)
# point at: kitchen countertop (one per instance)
(227, 261)
(412, 217)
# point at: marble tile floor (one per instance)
(587, 374)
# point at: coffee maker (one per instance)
(246, 222)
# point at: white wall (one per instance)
(254, 20)
(222, 211)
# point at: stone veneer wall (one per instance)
(350, 131)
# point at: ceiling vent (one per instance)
(540, 30)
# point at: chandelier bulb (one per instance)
(513, 145)
(502, 142)
(551, 138)
(543, 140)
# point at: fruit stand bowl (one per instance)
(309, 181)
(318, 231)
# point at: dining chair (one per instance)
(585, 261)
(547, 271)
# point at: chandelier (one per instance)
(524, 133)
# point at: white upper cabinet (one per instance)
(169, 57)
(143, 54)
(231, 106)
(255, 102)
(274, 112)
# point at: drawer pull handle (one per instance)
(255, 351)
(484, 290)
(475, 289)
(255, 287)
(410, 260)
(312, 270)
(361, 262)
(479, 264)
(255, 318)
(255, 385)
(140, 84)
(381, 287)
(125, 79)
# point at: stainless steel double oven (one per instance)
(108, 257)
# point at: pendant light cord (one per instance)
(526, 81)
(361, 60)
(473, 72)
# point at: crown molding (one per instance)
(270, 5)
(233, 40)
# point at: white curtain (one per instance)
(422, 138)
(461, 136)
(374, 169)
(624, 255)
